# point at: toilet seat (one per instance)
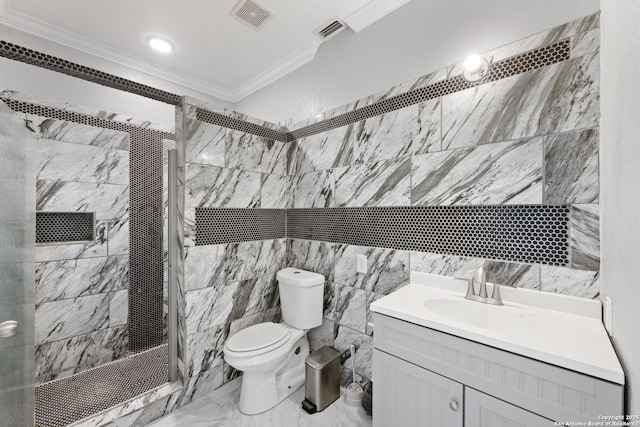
(258, 339)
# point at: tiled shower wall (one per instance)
(228, 286)
(529, 139)
(82, 288)
(83, 316)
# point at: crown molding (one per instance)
(372, 12)
(57, 35)
(284, 67)
(358, 20)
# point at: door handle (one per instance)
(8, 328)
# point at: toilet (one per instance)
(272, 355)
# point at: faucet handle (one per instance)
(481, 276)
(471, 292)
(495, 295)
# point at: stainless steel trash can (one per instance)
(322, 379)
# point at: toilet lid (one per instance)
(257, 336)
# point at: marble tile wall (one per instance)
(228, 286)
(82, 289)
(530, 138)
(527, 139)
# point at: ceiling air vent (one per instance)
(252, 13)
(329, 29)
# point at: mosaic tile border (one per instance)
(535, 234)
(146, 257)
(49, 62)
(517, 64)
(512, 66)
(62, 402)
(226, 225)
(83, 119)
(214, 118)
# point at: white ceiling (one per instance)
(214, 54)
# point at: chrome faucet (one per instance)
(481, 277)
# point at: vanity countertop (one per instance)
(557, 329)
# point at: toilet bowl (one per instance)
(272, 355)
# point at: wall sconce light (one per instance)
(476, 68)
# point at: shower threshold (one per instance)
(67, 400)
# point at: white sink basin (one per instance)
(472, 313)
(558, 329)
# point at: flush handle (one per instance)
(453, 405)
(8, 328)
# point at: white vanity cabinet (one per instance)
(412, 396)
(424, 377)
(482, 410)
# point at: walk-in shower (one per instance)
(87, 203)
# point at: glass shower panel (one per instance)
(17, 257)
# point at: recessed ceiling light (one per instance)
(160, 44)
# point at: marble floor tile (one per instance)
(207, 412)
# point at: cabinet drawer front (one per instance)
(409, 396)
(551, 391)
(482, 410)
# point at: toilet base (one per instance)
(262, 391)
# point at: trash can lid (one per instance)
(322, 357)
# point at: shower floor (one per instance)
(62, 402)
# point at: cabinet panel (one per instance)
(548, 390)
(482, 410)
(409, 396)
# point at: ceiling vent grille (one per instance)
(252, 13)
(330, 29)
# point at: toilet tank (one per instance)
(301, 297)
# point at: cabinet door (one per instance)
(409, 396)
(482, 410)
